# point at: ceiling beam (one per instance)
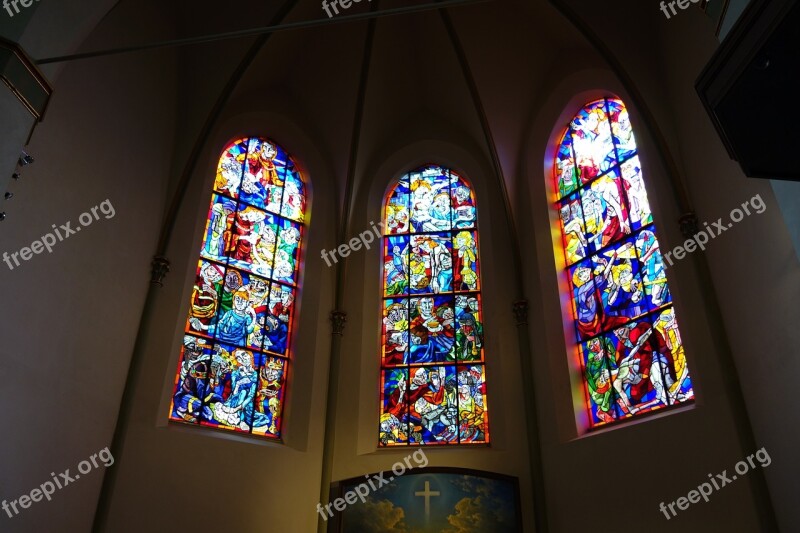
(253, 32)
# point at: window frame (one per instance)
(283, 222)
(456, 365)
(584, 407)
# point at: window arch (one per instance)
(432, 357)
(630, 349)
(237, 343)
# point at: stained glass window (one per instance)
(628, 341)
(432, 357)
(237, 344)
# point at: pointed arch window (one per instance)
(630, 349)
(432, 357)
(237, 348)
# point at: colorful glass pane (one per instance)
(565, 167)
(395, 332)
(395, 265)
(654, 277)
(191, 380)
(621, 129)
(294, 197)
(237, 347)
(231, 389)
(605, 215)
(218, 228)
(469, 328)
(598, 363)
(393, 426)
(430, 263)
(230, 169)
(465, 215)
(432, 329)
(465, 261)
(432, 317)
(397, 218)
(430, 200)
(204, 309)
(472, 406)
(269, 398)
(586, 306)
(571, 216)
(429, 404)
(636, 195)
(630, 348)
(617, 280)
(592, 141)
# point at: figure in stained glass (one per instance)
(235, 325)
(266, 418)
(263, 253)
(205, 296)
(253, 192)
(574, 232)
(466, 263)
(599, 364)
(229, 170)
(261, 163)
(220, 219)
(192, 381)
(395, 270)
(654, 277)
(622, 130)
(667, 328)
(464, 213)
(587, 309)
(645, 368)
(639, 207)
(233, 406)
(471, 404)
(396, 336)
(233, 281)
(565, 167)
(294, 202)
(592, 142)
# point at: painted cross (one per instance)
(427, 493)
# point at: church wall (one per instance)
(165, 467)
(641, 463)
(126, 137)
(71, 316)
(357, 451)
(253, 478)
(755, 275)
(754, 266)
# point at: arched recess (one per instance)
(588, 81)
(361, 361)
(433, 378)
(301, 414)
(626, 336)
(237, 349)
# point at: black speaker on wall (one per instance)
(751, 90)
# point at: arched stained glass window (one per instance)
(432, 362)
(236, 349)
(628, 341)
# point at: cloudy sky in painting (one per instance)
(465, 504)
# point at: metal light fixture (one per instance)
(25, 159)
